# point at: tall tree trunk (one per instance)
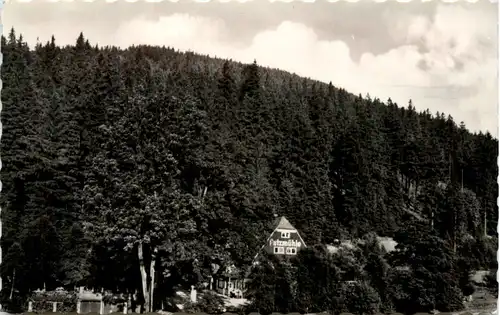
(12, 285)
(454, 231)
(144, 276)
(152, 275)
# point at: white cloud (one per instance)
(447, 63)
(180, 31)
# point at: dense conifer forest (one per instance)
(122, 163)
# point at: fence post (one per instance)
(193, 294)
(54, 307)
(101, 310)
(30, 307)
(78, 306)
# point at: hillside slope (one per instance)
(108, 153)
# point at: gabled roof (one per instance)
(281, 223)
(284, 224)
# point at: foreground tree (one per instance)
(139, 168)
(425, 276)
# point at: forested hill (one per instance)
(105, 149)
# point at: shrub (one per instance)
(15, 305)
(491, 282)
(361, 298)
(42, 306)
(208, 302)
(450, 300)
(114, 299)
(468, 289)
(211, 303)
(43, 301)
(190, 308)
(235, 310)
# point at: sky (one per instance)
(442, 56)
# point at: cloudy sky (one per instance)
(442, 56)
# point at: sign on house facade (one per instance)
(284, 240)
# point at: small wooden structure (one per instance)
(230, 282)
(90, 302)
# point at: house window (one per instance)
(279, 250)
(291, 251)
(285, 234)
